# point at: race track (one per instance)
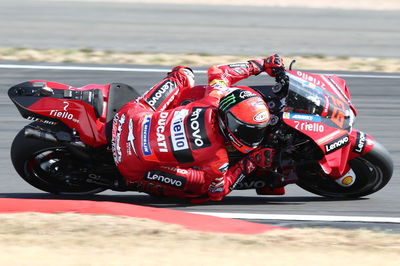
(375, 96)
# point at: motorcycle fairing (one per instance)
(61, 106)
(356, 143)
(319, 107)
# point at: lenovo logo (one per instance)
(166, 179)
(160, 94)
(337, 144)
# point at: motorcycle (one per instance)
(66, 149)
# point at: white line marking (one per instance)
(289, 217)
(157, 70)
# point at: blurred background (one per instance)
(243, 27)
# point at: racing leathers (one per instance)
(179, 151)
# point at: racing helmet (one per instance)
(243, 119)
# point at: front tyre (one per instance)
(373, 171)
(50, 167)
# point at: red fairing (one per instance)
(361, 144)
(75, 113)
(330, 128)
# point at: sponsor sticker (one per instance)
(347, 180)
(161, 93)
(337, 144)
(197, 129)
(63, 114)
(115, 143)
(361, 141)
(180, 145)
(261, 116)
(41, 120)
(305, 117)
(145, 135)
(246, 94)
(238, 180)
(168, 179)
(251, 184)
(227, 102)
(309, 126)
(160, 130)
(178, 134)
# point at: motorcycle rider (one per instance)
(181, 151)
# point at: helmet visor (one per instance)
(250, 135)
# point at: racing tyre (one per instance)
(373, 171)
(50, 167)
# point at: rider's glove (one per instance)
(217, 189)
(262, 157)
(186, 74)
(272, 64)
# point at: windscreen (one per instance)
(307, 98)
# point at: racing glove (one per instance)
(262, 157)
(187, 77)
(272, 64)
(221, 186)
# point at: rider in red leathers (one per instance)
(181, 151)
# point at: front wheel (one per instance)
(373, 171)
(50, 167)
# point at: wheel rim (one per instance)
(57, 168)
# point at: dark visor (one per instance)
(250, 135)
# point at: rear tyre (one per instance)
(50, 167)
(373, 171)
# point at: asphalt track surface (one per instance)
(198, 29)
(375, 96)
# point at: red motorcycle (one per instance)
(66, 149)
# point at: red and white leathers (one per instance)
(179, 151)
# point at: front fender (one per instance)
(336, 164)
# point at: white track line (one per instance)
(158, 70)
(289, 217)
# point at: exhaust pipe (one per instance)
(59, 137)
(39, 134)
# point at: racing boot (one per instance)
(277, 182)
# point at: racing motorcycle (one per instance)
(66, 148)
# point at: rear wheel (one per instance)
(50, 167)
(373, 171)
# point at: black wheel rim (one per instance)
(58, 169)
(369, 178)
